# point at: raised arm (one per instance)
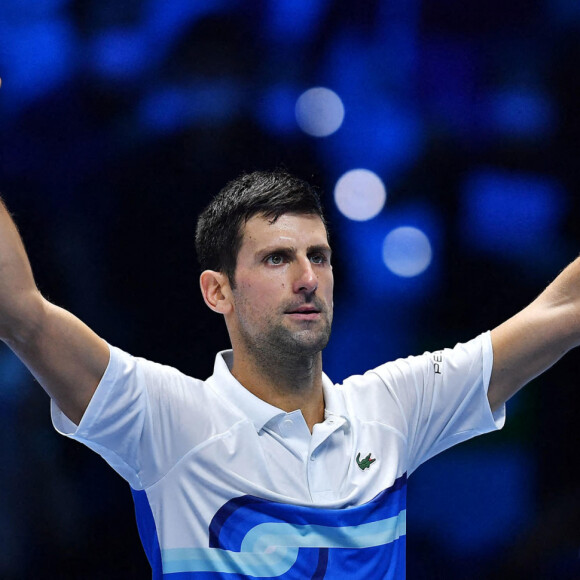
(534, 339)
(66, 357)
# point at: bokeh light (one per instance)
(407, 251)
(319, 112)
(360, 194)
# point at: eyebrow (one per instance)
(322, 248)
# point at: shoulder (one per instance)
(126, 368)
(406, 382)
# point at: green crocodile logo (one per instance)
(366, 462)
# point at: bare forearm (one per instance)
(64, 354)
(534, 339)
(18, 293)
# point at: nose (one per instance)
(306, 280)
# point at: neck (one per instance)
(292, 383)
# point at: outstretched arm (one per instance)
(67, 358)
(534, 339)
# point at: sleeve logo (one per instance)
(437, 361)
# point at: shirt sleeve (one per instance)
(435, 400)
(142, 418)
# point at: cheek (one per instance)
(329, 285)
(254, 297)
(263, 286)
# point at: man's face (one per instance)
(284, 283)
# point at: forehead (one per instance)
(289, 228)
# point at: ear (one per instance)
(215, 288)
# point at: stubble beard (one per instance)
(284, 352)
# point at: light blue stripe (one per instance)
(259, 538)
(277, 561)
(271, 549)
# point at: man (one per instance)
(267, 469)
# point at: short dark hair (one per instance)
(219, 229)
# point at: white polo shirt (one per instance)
(227, 486)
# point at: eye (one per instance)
(275, 259)
(318, 258)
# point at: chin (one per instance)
(312, 344)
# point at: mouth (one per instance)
(304, 313)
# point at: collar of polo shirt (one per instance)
(256, 409)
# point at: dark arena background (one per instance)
(445, 138)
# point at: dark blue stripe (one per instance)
(322, 564)
(232, 521)
(223, 514)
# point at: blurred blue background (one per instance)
(444, 136)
